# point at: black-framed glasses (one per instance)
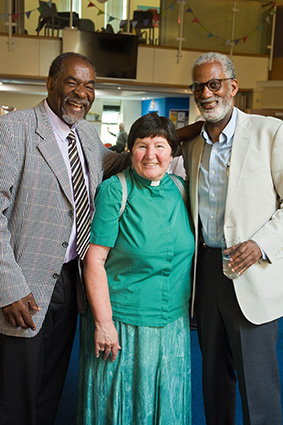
(213, 85)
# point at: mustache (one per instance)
(211, 99)
(77, 100)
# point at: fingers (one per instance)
(106, 341)
(109, 351)
(115, 351)
(32, 303)
(21, 320)
(18, 314)
(245, 255)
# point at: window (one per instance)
(64, 6)
(116, 9)
(110, 123)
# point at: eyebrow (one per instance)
(70, 77)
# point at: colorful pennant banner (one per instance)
(235, 42)
(171, 7)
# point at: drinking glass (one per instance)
(225, 245)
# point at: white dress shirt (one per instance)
(61, 131)
(213, 181)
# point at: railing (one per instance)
(234, 27)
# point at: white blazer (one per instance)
(254, 209)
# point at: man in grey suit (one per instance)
(39, 277)
(235, 170)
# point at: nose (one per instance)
(150, 152)
(80, 91)
(206, 92)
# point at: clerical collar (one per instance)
(155, 183)
(146, 182)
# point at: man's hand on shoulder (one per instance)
(18, 313)
(189, 132)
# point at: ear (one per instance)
(49, 84)
(234, 87)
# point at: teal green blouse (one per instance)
(152, 245)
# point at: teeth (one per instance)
(76, 104)
(208, 105)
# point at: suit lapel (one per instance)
(239, 154)
(50, 150)
(196, 154)
(88, 148)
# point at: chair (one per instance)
(50, 19)
(144, 20)
(66, 15)
(109, 29)
(86, 25)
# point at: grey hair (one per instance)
(215, 57)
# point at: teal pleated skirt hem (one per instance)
(148, 384)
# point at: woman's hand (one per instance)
(105, 334)
(106, 339)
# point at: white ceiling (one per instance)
(103, 90)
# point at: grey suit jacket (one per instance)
(36, 205)
(254, 209)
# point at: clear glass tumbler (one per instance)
(226, 254)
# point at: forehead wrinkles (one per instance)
(73, 67)
(208, 71)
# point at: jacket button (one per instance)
(65, 244)
(70, 213)
(56, 275)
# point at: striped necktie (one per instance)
(80, 197)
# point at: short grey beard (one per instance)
(70, 120)
(218, 115)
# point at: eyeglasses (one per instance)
(213, 85)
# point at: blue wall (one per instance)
(156, 105)
(162, 106)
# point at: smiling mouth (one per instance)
(150, 164)
(209, 105)
(77, 106)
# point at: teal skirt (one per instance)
(148, 384)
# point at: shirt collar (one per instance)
(146, 182)
(61, 128)
(228, 132)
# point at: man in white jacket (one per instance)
(235, 170)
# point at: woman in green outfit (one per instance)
(138, 281)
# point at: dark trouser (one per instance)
(33, 370)
(232, 346)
